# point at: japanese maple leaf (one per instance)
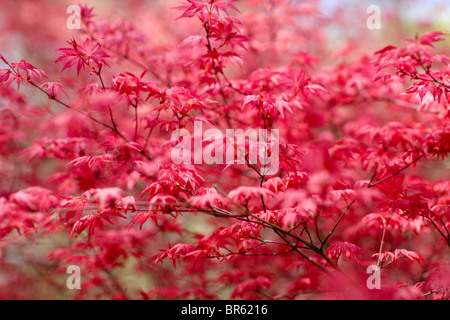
(194, 6)
(397, 254)
(53, 89)
(34, 198)
(345, 249)
(104, 197)
(190, 9)
(32, 72)
(430, 37)
(86, 12)
(89, 54)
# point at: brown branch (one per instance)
(397, 172)
(336, 224)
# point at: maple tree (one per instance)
(88, 177)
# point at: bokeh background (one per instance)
(331, 31)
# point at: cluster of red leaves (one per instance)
(363, 163)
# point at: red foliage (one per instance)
(363, 168)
